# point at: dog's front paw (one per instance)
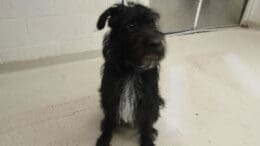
(148, 144)
(102, 142)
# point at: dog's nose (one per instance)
(155, 42)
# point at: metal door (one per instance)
(176, 15)
(182, 15)
(220, 13)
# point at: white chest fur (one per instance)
(128, 99)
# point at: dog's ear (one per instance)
(103, 18)
(110, 14)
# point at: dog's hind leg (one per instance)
(107, 128)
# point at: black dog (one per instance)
(132, 51)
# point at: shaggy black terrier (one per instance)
(132, 51)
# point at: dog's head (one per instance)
(134, 37)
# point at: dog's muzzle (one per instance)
(153, 59)
(150, 61)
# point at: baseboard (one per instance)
(30, 64)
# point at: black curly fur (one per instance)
(133, 42)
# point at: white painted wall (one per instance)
(32, 29)
(252, 13)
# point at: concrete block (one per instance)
(78, 6)
(13, 33)
(25, 8)
(42, 29)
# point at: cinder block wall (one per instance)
(33, 29)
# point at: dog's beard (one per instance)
(149, 62)
(149, 65)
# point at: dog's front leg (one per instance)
(107, 127)
(148, 133)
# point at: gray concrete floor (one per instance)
(211, 83)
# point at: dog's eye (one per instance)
(130, 26)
